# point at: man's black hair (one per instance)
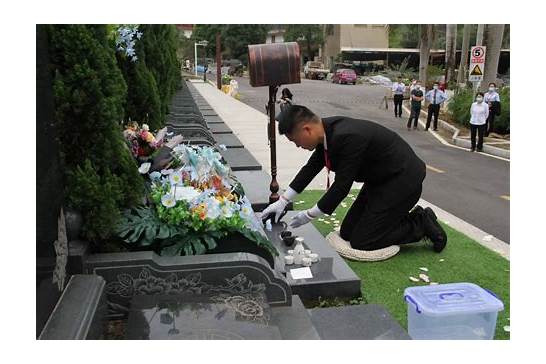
(293, 115)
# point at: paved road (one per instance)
(468, 185)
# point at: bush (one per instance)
(89, 92)
(459, 109)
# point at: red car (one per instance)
(344, 75)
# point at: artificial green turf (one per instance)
(465, 260)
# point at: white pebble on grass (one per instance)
(334, 214)
(433, 283)
(424, 269)
(441, 260)
(413, 279)
(506, 328)
(424, 278)
(327, 222)
(320, 219)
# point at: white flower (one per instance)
(175, 178)
(168, 200)
(187, 194)
(144, 168)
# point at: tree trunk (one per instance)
(451, 46)
(463, 65)
(425, 31)
(479, 35)
(494, 42)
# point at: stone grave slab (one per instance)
(357, 322)
(220, 128)
(229, 140)
(240, 159)
(213, 119)
(256, 186)
(332, 277)
(80, 312)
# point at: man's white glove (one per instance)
(279, 206)
(303, 217)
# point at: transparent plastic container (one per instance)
(455, 311)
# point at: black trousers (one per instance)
(367, 228)
(490, 122)
(433, 109)
(480, 129)
(415, 111)
(398, 104)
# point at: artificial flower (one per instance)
(168, 200)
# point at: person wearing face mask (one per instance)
(416, 97)
(492, 99)
(359, 151)
(435, 97)
(479, 111)
(398, 94)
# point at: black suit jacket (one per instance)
(363, 151)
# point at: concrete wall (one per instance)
(331, 46)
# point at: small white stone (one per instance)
(327, 222)
(320, 219)
(424, 269)
(413, 279)
(506, 328)
(352, 198)
(334, 214)
(446, 222)
(424, 278)
(332, 219)
(441, 260)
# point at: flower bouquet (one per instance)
(143, 143)
(193, 207)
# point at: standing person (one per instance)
(398, 95)
(360, 151)
(436, 97)
(479, 111)
(286, 98)
(416, 97)
(492, 99)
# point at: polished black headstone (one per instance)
(358, 322)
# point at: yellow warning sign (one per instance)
(476, 71)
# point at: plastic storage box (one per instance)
(456, 311)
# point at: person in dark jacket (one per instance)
(360, 151)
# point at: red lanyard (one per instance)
(328, 167)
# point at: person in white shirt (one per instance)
(435, 97)
(398, 89)
(479, 111)
(492, 99)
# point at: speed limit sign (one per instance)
(477, 64)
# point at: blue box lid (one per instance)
(452, 299)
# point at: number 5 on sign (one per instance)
(477, 64)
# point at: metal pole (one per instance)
(218, 62)
(195, 58)
(274, 186)
(205, 63)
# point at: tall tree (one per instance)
(494, 42)
(463, 65)
(425, 32)
(309, 36)
(479, 34)
(451, 47)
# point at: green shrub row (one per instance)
(95, 89)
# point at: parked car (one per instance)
(315, 70)
(235, 67)
(344, 75)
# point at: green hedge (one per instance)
(89, 93)
(459, 109)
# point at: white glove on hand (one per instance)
(300, 219)
(277, 208)
(304, 217)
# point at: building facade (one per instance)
(346, 36)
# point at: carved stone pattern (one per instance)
(148, 284)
